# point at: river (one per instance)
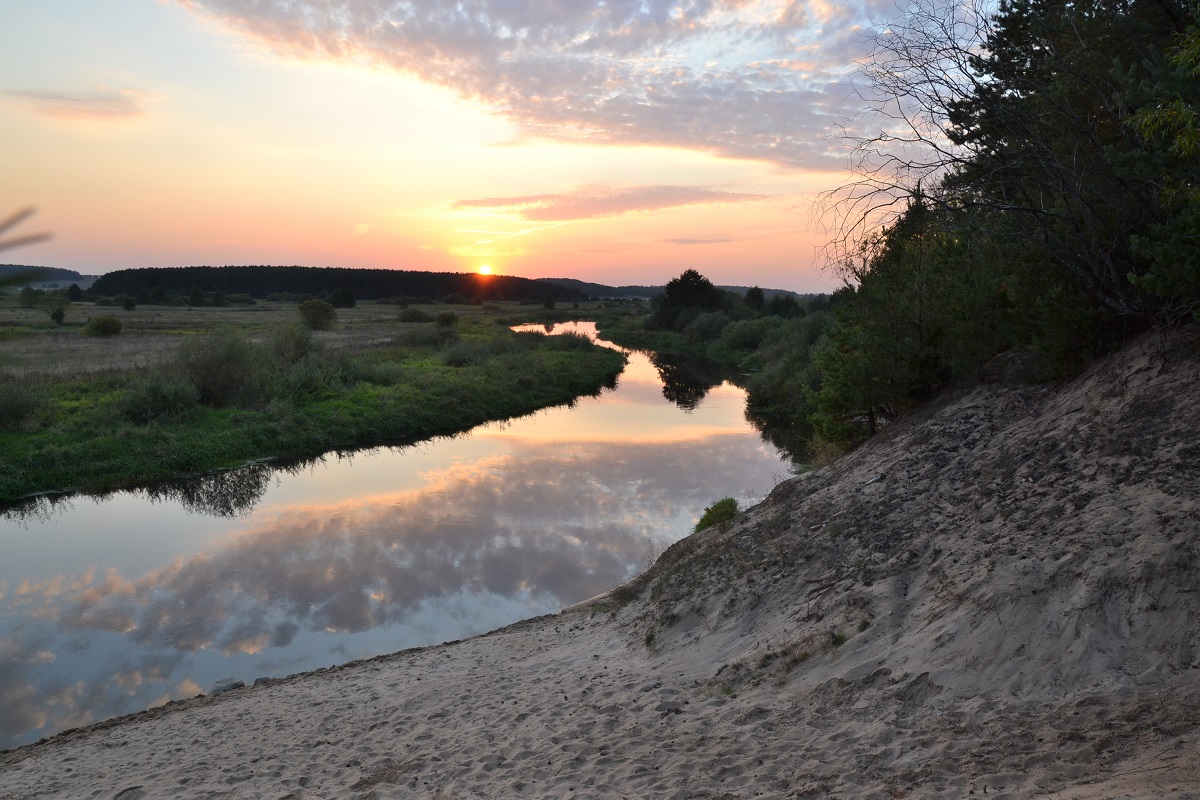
(113, 604)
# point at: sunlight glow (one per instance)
(484, 269)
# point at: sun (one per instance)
(485, 270)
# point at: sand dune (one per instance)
(998, 597)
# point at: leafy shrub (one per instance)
(720, 513)
(317, 314)
(18, 403)
(58, 314)
(310, 375)
(705, 327)
(414, 315)
(159, 397)
(225, 369)
(106, 325)
(454, 299)
(747, 334)
(293, 342)
(447, 319)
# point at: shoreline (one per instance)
(997, 597)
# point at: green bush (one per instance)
(310, 375)
(18, 404)
(159, 397)
(720, 513)
(293, 342)
(318, 315)
(106, 325)
(747, 334)
(706, 327)
(226, 369)
(447, 319)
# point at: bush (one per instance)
(293, 342)
(720, 513)
(705, 327)
(107, 325)
(225, 369)
(414, 315)
(18, 403)
(747, 334)
(317, 314)
(58, 314)
(159, 397)
(447, 319)
(454, 299)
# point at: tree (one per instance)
(317, 314)
(74, 293)
(1016, 113)
(685, 298)
(28, 297)
(755, 298)
(342, 298)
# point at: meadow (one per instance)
(186, 390)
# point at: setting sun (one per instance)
(485, 270)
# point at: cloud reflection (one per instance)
(536, 527)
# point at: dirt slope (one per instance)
(1015, 575)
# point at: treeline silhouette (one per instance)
(367, 284)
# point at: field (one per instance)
(183, 391)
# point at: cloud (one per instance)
(103, 105)
(591, 202)
(758, 79)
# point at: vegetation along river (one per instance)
(109, 605)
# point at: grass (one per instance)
(720, 513)
(99, 413)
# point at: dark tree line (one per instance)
(366, 284)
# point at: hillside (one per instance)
(997, 597)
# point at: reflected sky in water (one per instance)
(109, 605)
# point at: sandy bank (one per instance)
(1000, 598)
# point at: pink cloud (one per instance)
(605, 201)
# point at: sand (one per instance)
(997, 597)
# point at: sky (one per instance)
(615, 141)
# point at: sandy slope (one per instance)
(999, 598)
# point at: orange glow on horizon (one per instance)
(485, 270)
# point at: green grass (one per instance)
(87, 433)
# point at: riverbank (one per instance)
(97, 414)
(997, 597)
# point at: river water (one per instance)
(110, 605)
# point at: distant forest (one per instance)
(366, 284)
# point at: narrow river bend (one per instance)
(111, 605)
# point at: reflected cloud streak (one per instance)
(537, 529)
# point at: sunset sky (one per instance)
(617, 141)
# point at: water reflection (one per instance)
(110, 606)
(687, 380)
